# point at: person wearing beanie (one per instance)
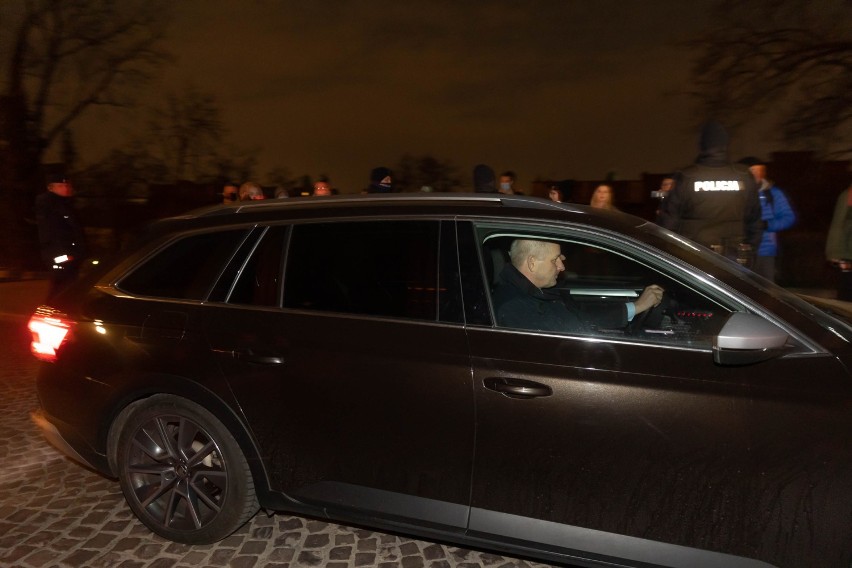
(483, 179)
(381, 180)
(715, 202)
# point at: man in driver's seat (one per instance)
(523, 299)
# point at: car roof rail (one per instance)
(523, 201)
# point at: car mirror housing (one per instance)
(746, 339)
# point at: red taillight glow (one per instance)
(49, 330)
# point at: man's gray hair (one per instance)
(249, 190)
(522, 248)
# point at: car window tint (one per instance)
(258, 280)
(381, 268)
(598, 280)
(185, 269)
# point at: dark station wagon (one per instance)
(340, 358)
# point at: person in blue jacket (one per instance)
(776, 213)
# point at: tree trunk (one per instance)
(20, 180)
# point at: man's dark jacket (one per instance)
(713, 201)
(521, 304)
(59, 231)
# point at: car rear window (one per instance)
(185, 269)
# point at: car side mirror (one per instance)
(746, 339)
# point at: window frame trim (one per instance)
(653, 259)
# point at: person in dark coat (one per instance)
(483, 179)
(525, 297)
(662, 213)
(381, 180)
(61, 236)
(715, 202)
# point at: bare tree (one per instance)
(58, 59)
(414, 172)
(280, 176)
(789, 57)
(113, 186)
(234, 165)
(125, 172)
(186, 131)
(186, 134)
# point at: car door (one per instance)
(358, 390)
(611, 443)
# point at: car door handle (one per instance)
(517, 388)
(260, 359)
(250, 357)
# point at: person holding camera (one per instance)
(661, 213)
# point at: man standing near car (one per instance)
(715, 202)
(60, 233)
(230, 192)
(507, 183)
(777, 216)
(666, 186)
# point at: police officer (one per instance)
(60, 233)
(715, 202)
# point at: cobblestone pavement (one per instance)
(55, 513)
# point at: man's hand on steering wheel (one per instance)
(650, 298)
(648, 305)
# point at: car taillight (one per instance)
(50, 328)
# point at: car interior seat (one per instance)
(496, 256)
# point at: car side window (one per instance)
(591, 293)
(185, 269)
(379, 268)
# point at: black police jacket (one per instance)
(715, 203)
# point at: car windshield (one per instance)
(834, 316)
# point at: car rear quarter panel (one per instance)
(114, 360)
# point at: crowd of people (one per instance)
(381, 181)
(733, 208)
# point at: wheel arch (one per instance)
(163, 386)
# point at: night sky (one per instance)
(556, 89)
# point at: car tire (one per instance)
(182, 472)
